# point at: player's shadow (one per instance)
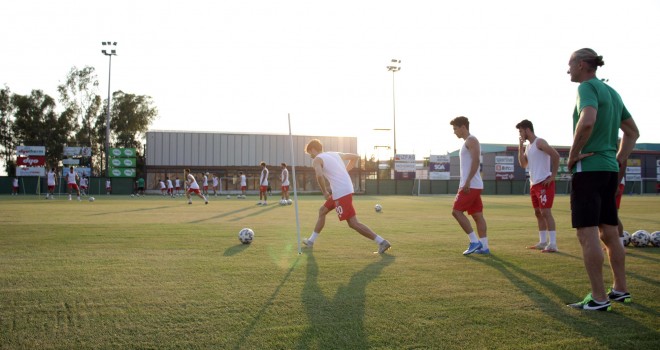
(589, 327)
(338, 323)
(233, 250)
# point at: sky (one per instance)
(243, 66)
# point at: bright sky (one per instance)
(241, 66)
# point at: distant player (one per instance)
(14, 187)
(468, 197)
(285, 182)
(52, 182)
(543, 163)
(72, 182)
(243, 184)
(193, 187)
(108, 186)
(205, 184)
(170, 187)
(177, 185)
(216, 185)
(163, 187)
(263, 185)
(83, 185)
(140, 186)
(331, 166)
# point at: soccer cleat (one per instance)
(206, 202)
(383, 246)
(482, 251)
(590, 304)
(619, 296)
(550, 248)
(472, 248)
(189, 202)
(539, 246)
(259, 203)
(308, 243)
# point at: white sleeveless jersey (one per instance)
(51, 178)
(215, 181)
(264, 177)
(192, 182)
(243, 180)
(169, 184)
(466, 164)
(285, 177)
(538, 163)
(334, 170)
(71, 177)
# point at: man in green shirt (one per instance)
(140, 186)
(597, 170)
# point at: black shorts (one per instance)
(593, 199)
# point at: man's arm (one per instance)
(583, 131)
(522, 157)
(318, 170)
(472, 145)
(554, 159)
(630, 136)
(351, 158)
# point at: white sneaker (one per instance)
(308, 243)
(383, 246)
(550, 248)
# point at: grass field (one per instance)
(156, 273)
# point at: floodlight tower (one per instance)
(394, 67)
(110, 52)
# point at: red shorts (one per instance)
(72, 186)
(285, 188)
(263, 188)
(542, 196)
(619, 195)
(470, 202)
(206, 188)
(83, 187)
(178, 188)
(193, 190)
(243, 188)
(108, 189)
(343, 206)
(51, 187)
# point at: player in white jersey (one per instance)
(177, 185)
(108, 186)
(193, 187)
(14, 187)
(468, 197)
(83, 185)
(72, 182)
(543, 163)
(205, 184)
(216, 185)
(163, 187)
(263, 185)
(285, 182)
(170, 187)
(243, 184)
(331, 166)
(52, 182)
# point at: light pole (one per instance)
(111, 52)
(394, 67)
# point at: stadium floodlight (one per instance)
(395, 67)
(108, 53)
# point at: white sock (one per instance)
(553, 237)
(543, 237)
(312, 238)
(484, 243)
(473, 237)
(378, 239)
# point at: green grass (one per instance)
(156, 273)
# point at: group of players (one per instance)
(74, 182)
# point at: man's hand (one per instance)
(572, 160)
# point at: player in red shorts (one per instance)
(193, 187)
(468, 197)
(72, 182)
(263, 185)
(285, 183)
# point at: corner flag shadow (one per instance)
(346, 309)
(587, 326)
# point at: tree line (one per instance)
(77, 118)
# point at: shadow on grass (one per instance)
(221, 215)
(231, 251)
(632, 254)
(594, 326)
(260, 212)
(250, 328)
(131, 211)
(338, 323)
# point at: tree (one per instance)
(7, 139)
(37, 123)
(79, 94)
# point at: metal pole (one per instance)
(107, 123)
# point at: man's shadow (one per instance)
(338, 323)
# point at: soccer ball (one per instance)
(228, 196)
(289, 201)
(91, 199)
(378, 208)
(626, 238)
(283, 202)
(246, 236)
(640, 238)
(655, 239)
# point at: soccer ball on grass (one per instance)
(655, 239)
(640, 238)
(246, 236)
(626, 238)
(91, 199)
(378, 208)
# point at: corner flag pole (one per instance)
(295, 187)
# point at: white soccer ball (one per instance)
(640, 238)
(228, 196)
(246, 236)
(655, 239)
(91, 199)
(289, 201)
(132, 195)
(626, 238)
(378, 208)
(283, 202)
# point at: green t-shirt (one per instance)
(603, 140)
(140, 182)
